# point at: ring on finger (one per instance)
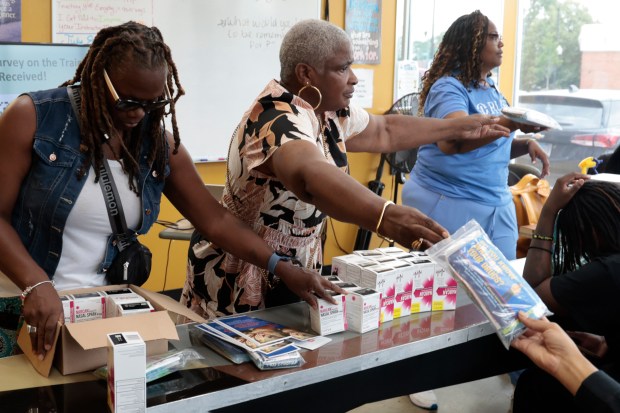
(31, 329)
(415, 245)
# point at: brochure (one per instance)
(269, 345)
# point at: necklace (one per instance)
(323, 138)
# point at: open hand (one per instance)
(307, 284)
(481, 126)
(42, 311)
(563, 191)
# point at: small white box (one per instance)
(112, 294)
(354, 270)
(341, 263)
(368, 253)
(125, 309)
(332, 278)
(384, 259)
(347, 286)
(363, 309)
(444, 290)
(126, 373)
(68, 309)
(88, 306)
(329, 318)
(390, 250)
(113, 303)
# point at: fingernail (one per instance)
(41, 357)
(48, 347)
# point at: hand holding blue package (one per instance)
(489, 279)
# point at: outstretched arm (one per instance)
(551, 349)
(303, 169)
(188, 194)
(390, 133)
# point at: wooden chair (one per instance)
(528, 195)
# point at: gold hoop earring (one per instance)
(308, 85)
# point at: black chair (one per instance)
(401, 163)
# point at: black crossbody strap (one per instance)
(113, 205)
(106, 181)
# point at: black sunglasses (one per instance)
(126, 105)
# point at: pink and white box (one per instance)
(383, 279)
(88, 306)
(363, 309)
(403, 288)
(422, 284)
(444, 290)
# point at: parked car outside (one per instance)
(590, 120)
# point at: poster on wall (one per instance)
(26, 67)
(363, 24)
(77, 21)
(11, 21)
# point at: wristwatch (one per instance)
(273, 261)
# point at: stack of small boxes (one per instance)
(103, 304)
(383, 284)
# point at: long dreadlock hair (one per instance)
(458, 54)
(133, 44)
(588, 227)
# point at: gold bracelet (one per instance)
(541, 237)
(385, 205)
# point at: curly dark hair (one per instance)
(588, 227)
(133, 44)
(458, 53)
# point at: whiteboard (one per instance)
(226, 51)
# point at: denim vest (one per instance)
(52, 186)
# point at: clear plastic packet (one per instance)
(489, 279)
(161, 365)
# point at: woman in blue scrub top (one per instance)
(455, 181)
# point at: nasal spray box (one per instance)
(126, 373)
(329, 318)
(422, 284)
(348, 267)
(363, 309)
(383, 279)
(88, 306)
(403, 288)
(444, 290)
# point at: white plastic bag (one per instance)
(489, 279)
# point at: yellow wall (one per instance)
(169, 257)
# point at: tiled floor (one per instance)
(490, 395)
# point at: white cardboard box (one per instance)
(363, 309)
(126, 373)
(329, 318)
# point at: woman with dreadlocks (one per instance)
(573, 264)
(469, 176)
(54, 225)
